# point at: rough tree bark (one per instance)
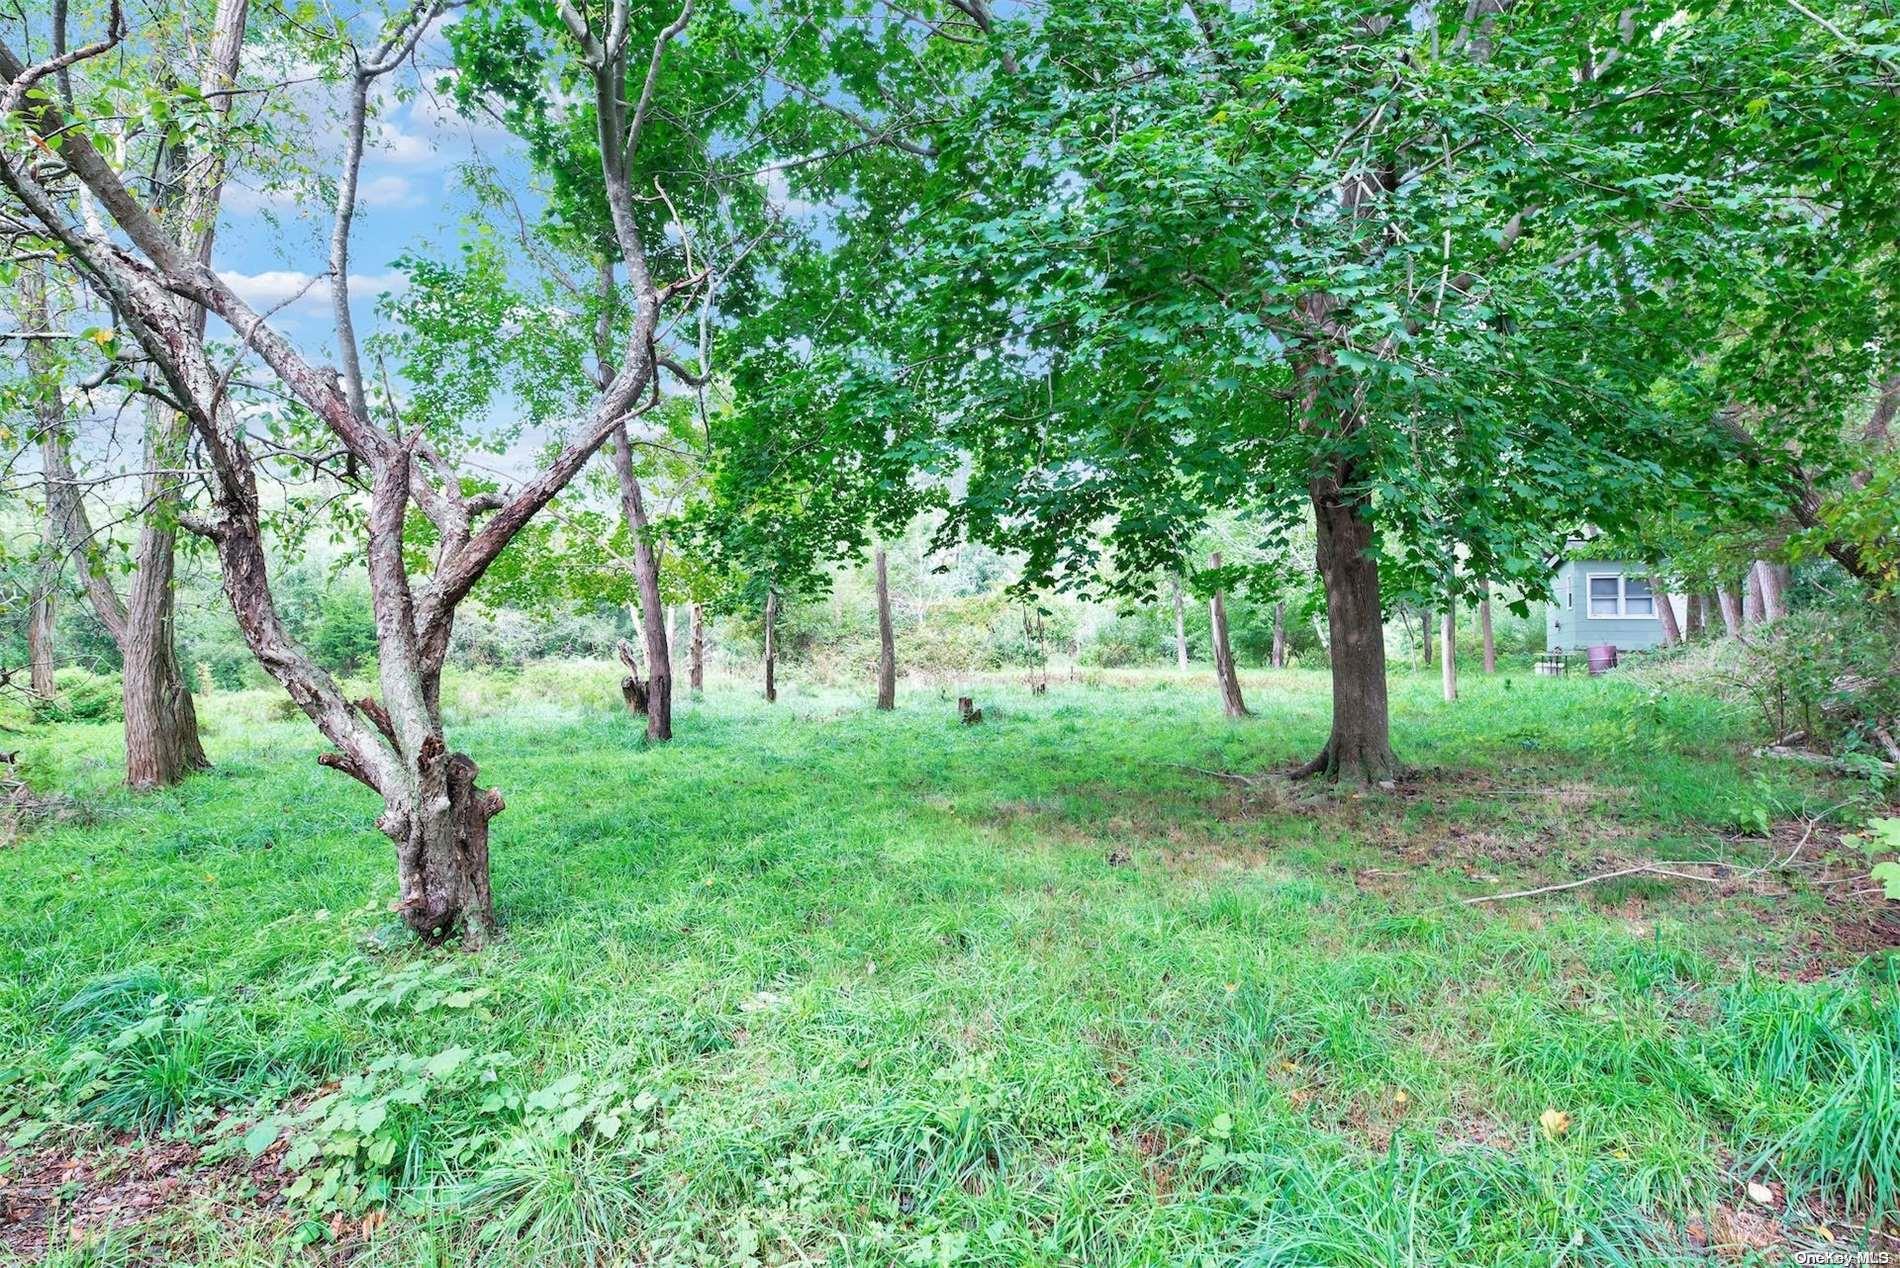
(1224, 670)
(1180, 627)
(1484, 629)
(1359, 749)
(1731, 611)
(633, 688)
(1754, 607)
(41, 611)
(1691, 616)
(1666, 612)
(1277, 655)
(646, 573)
(696, 650)
(771, 646)
(1448, 642)
(1773, 580)
(886, 642)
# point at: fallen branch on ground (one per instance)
(1650, 868)
(1245, 781)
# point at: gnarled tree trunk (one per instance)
(1224, 670)
(1359, 749)
(886, 642)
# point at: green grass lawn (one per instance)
(818, 984)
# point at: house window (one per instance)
(1614, 595)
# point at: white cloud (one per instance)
(304, 293)
(389, 191)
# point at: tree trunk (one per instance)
(1666, 612)
(40, 612)
(161, 726)
(1425, 638)
(1359, 749)
(1691, 616)
(442, 850)
(1448, 644)
(771, 646)
(1754, 609)
(696, 658)
(1731, 611)
(1224, 669)
(1180, 628)
(1484, 628)
(1773, 579)
(1277, 657)
(886, 643)
(646, 571)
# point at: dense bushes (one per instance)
(1832, 677)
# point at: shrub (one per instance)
(82, 696)
(1833, 675)
(1122, 642)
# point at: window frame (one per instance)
(1622, 612)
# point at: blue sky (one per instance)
(273, 241)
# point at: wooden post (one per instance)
(886, 643)
(1224, 670)
(1448, 638)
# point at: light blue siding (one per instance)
(1568, 625)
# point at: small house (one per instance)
(1597, 601)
